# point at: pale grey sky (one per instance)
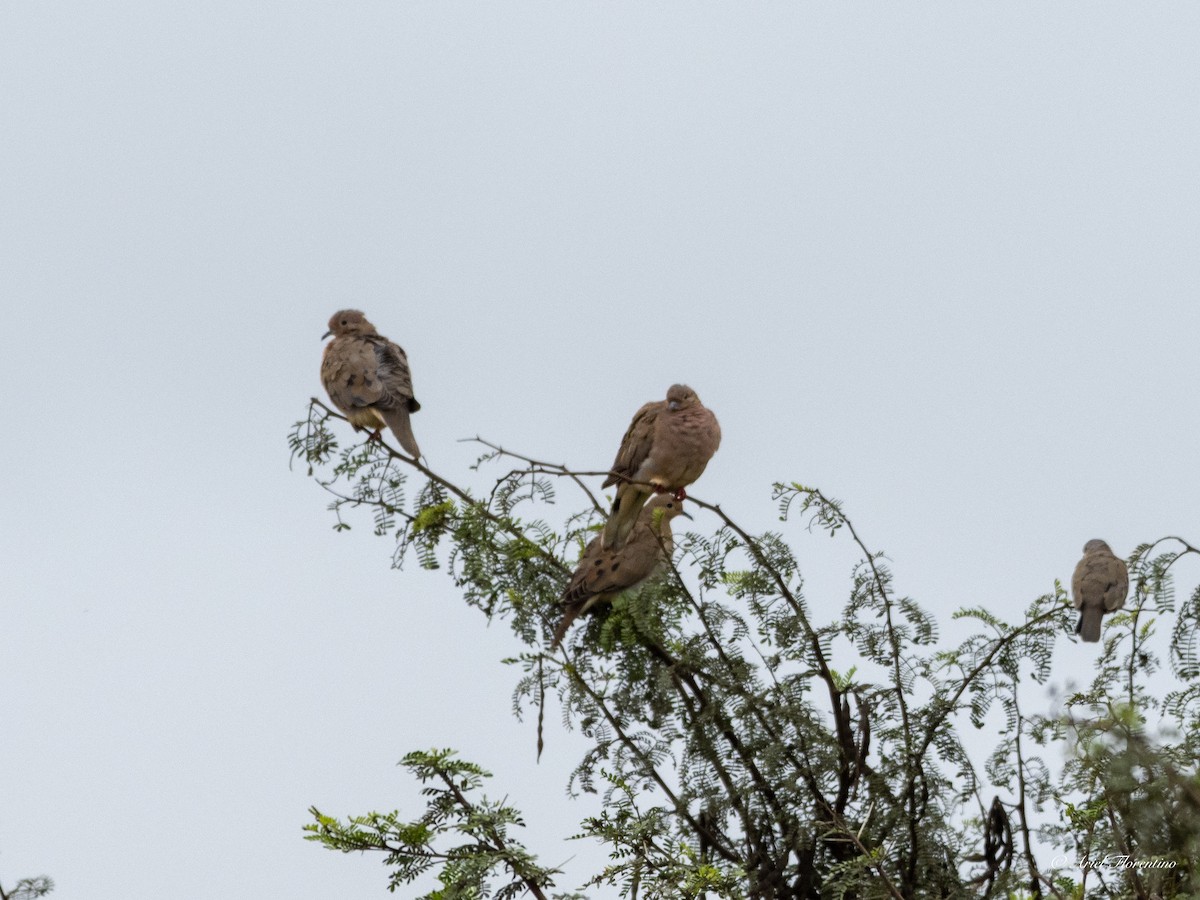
(939, 260)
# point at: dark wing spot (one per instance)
(615, 566)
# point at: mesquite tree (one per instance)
(750, 742)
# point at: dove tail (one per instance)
(564, 624)
(624, 515)
(398, 420)
(1089, 624)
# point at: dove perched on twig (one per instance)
(667, 446)
(368, 379)
(1100, 584)
(602, 575)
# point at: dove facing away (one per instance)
(368, 379)
(667, 446)
(1100, 584)
(602, 575)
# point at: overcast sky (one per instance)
(939, 260)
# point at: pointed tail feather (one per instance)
(564, 624)
(1089, 624)
(624, 515)
(399, 421)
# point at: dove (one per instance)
(602, 574)
(1099, 585)
(368, 379)
(667, 446)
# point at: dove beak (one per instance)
(326, 334)
(673, 405)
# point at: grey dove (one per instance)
(368, 379)
(602, 575)
(667, 446)
(1100, 584)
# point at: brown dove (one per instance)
(1100, 584)
(602, 575)
(667, 446)
(367, 378)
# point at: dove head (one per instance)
(1095, 545)
(348, 321)
(667, 503)
(680, 396)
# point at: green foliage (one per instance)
(749, 742)
(28, 889)
(465, 837)
(648, 860)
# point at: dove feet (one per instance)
(679, 493)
